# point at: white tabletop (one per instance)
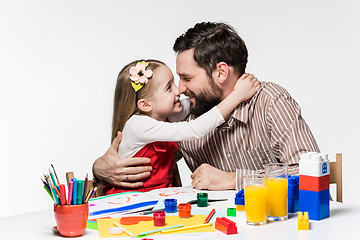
(343, 221)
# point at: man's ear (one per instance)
(144, 105)
(222, 72)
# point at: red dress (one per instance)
(161, 155)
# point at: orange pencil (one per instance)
(209, 216)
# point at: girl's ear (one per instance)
(222, 72)
(144, 105)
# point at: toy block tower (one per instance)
(314, 182)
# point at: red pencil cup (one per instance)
(184, 210)
(71, 220)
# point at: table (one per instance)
(342, 223)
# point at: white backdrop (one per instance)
(59, 62)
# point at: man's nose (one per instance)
(182, 86)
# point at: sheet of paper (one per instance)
(121, 203)
(105, 224)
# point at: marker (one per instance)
(62, 194)
(71, 184)
(160, 230)
(209, 216)
(74, 197)
(85, 187)
(79, 192)
(186, 228)
(126, 231)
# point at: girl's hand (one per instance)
(246, 86)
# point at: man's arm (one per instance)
(126, 172)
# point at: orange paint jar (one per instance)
(71, 220)
(184, 210)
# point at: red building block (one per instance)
(225, 225)
(315, 184)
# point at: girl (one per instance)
(146, 98)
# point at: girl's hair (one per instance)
(125, 99)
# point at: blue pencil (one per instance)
(74, 200)
(159, 230)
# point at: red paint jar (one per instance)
(184, 210)
(159, 218)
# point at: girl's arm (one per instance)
(143, 129)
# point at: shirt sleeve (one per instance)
(143, 129)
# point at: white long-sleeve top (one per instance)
(140, 130)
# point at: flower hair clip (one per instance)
(139, 75)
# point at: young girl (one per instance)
(146, 98)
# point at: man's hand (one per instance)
(126, 173)
(209, 177)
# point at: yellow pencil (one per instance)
(186, 228)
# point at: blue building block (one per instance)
(293, 194)
(293, 205)
(240, 198)
(315, 203)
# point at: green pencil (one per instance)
(48, 191)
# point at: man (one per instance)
(268, 128)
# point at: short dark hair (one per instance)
(214, 43)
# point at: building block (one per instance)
(240, 200)
(293, 194)
(303, 221)
(315, 184)
(293, 205)
(231, 212)
(315, 203)
(314, 164)
(225, 225)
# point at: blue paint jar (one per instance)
(170, 205)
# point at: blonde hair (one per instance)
(125, 98)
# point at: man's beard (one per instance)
(206, 100)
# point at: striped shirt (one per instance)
(267, 129)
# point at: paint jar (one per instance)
(159, 218)
(202, 199)
(71, 220)
(170, 205)
(184, 210)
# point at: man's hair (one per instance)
(214, 43)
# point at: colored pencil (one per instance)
(71, 184)
(90, 194)
(85, 187)
(186, 228)
(126, 231)
(79, 192)
(54, 194)
(209, 216)
(57, 179)
(49, 192)
(52, 178)
(159, 230)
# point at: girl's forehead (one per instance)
(163, 74)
